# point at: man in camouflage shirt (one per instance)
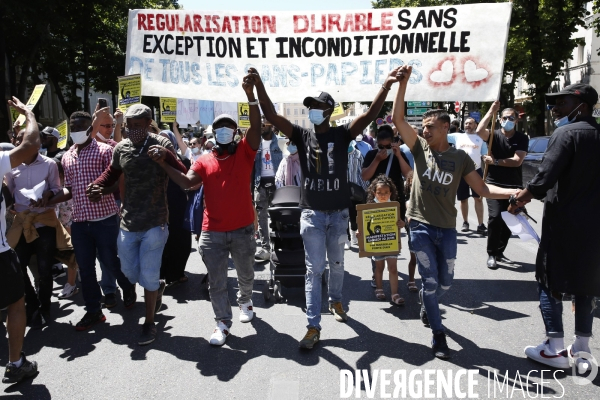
(144, 215)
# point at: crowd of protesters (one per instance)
(120, 194)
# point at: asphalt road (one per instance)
(491, 316)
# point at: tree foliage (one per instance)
(539, 44)
(68, 44)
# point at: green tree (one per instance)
(540, 43)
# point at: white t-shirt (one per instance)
(471, 144)
(266, 160)
(4, 169)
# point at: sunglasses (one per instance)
(107, 126)
(381, 147)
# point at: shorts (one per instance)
(463, 189)
(383, 258)
(141, 255)
(12, 287)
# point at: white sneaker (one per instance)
(246, 312)
(583, 364)
(68, 291)
(347, 245)
(543, 354)
(219, 335)
(262, 255)
(353, 238)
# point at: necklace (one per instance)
(144, 145)
(221, 159)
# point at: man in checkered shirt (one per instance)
(95, 224)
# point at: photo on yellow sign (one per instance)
(168, 109)
(63, 130)
(38, 90)
(130, 91)
(338, 112)
(243, 115)
(377, 223)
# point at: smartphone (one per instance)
(102, 103)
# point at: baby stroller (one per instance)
(287, 264)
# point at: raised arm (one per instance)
(268, 109)
(358, 125)
(253, 133)
(31, 139)
(482, 129)
(118, 124)
(407, 133)
(179, 139)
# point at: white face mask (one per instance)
(79, 137)
(195, 150)
(224, 135)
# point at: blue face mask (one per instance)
(316, 116)
(565, 120)
(508, 125)
(351, 147)
(224, 135)
(292, 149)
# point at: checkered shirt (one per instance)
(81, 170)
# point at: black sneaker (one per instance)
(159, 296)
(439, 346)
(148, 334)
(13, 374)
(465, 227)
(38, 320)
(481, 229)
(129, 297)
(89, 320)
(423, 312)
(110, 300)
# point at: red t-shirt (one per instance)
(227, 189)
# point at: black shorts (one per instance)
(463, 189)
(12, 287)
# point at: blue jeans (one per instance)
(323, 233)
(91, 239)
(552, 308)
(141, 255)
(215, 248)
(435, 249)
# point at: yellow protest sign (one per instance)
(168, 109)
(243, 115)
(130, 91)
(338, 112)
(62, 128)
(377, 223)
(38, 90)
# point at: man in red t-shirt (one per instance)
(228, 225)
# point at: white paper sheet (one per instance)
(519, 226)
(36, 193)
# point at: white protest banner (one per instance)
(457, 52)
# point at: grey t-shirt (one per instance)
(435, 181)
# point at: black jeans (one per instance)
(45, 248)
(176, 253)
(498, 232)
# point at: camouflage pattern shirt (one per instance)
(145, 201)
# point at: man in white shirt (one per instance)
(12, 285)
(475, 147)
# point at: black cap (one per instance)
(324, 97)
(585, 92)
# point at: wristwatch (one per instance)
(496, 162)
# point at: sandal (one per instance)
(412, 286)
(397, 300)
(379, 294)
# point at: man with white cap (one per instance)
(50, 137)
(144, 217)
(228, 224)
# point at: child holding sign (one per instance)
(383, 190)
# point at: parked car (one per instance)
(533, 159)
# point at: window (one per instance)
(303, 123)
(295, 122)
(287, 111)
(295, 111)
(580, 54)
(303, 113)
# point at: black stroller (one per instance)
(288, 267)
